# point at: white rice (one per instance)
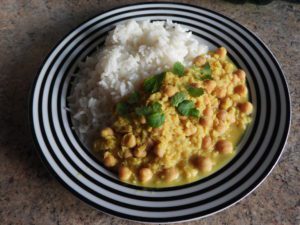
(132, 52)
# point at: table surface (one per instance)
(30, 195)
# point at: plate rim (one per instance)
(108, 211)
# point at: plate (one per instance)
(80, 172)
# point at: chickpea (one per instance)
(240, 90)
(206, 121)
(199, 60)
(160, 149)
(124, 173)
(109, 160)
(183, 118)
(127, 154)
(198, 103)
(225, 103)
(208, 111)
(145, 174)
(240, 74)
(235, 79)
(206, 142)
(206, 100)
(171, 174)
(140, 152)
(246, 108)
(205, 164)
(222, 115)
(190, 173)
(129, 140)
(210, 85)
(221, 52)
(231, 118)
(143, 120)
(220, 92)
(235, 98)
(106, 132)
(189, 131)
(220, 128)
(224, 147)
(170, 90)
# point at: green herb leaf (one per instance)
(122, 108)
(178, 98)
(204, 73)
(133, 98)
(194, 91)
(153, 84)
(205, 77)
(206, 70)
(185, 107)
(155, 119)
(194, 112)
(155, 107)
(147, 110)
(143, 110)
(178, 69)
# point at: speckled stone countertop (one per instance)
(30, 195)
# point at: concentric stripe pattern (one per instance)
(76, 168)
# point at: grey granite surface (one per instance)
(30, 195)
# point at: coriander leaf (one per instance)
(153, 84)
(155, 119)
(206, 77)
(194, 91)
(156, 107)
(178, 98)
(185, 107)
(203, 73)
(122, 108)
(133, 98)
(147, 110)
(143, 110)
(206, 70)
(178, 69)
(194, 112)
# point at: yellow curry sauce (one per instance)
(182, 125)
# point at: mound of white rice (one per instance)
(132, 52)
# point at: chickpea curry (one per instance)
(180, 126)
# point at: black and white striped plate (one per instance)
(75, 167)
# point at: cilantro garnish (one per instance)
(185, 107)
(133, 98)
(147, 110)
(178, 98)
(178, 69)
(122, 108)
(155, 119)
(194, 112)
(203, 73)
(153, 84)
(194, 91)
